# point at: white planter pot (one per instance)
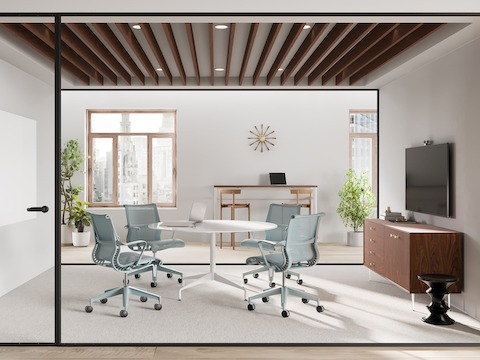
(66, 235)
(355, 238)
(81, 238)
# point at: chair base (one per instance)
(158, 267)
(284, 292)
(288, 274)
(126, 291)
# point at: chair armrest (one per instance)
(132, 227)
(259, 243)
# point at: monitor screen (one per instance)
(278, 179)
(428, 179)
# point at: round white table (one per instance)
(214, 227)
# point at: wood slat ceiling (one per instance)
(266, 54)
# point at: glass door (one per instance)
(27, 180)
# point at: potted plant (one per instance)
(71, 159)
(80, 219)
(356, 204)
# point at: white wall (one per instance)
(438, 102)
(28, 247)
(213, 126)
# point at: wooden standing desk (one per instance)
(266, 193)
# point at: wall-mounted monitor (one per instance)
(428, 179)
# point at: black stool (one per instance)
(438, 284)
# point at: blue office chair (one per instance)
(279, 214)
(106, 252)
(138, 219)
(298, 250)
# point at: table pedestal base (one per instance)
(204, 278)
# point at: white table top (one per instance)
(220, 226)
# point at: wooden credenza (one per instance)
(401, 251)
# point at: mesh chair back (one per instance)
(280, 214)
(138, 219)
(301, 241)
(106, 240)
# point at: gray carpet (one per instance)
(356, 311)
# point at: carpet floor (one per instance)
(357, 311)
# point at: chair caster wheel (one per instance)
(169, 275)
(245, 280)
(137, 276)
(88, 309)
(265, 299)
(251, 307)
(104, 301)
(320, 308)
(153, 284)
(288, 276)
(255, 276)
(180, 280)
(285, 313)
(157, 306)
(272, 285)
(305, 301)
(143, 298)
(299, 281)
(123, 313)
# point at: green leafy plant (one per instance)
(78, 213)
(356, 200)
(71, 160)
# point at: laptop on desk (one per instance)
(278, 179)
(197, 214)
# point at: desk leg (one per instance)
(213, 246)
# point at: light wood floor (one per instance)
(198, 252)
(239, 352)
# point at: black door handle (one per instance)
(43, 209)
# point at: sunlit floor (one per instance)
(199, 253)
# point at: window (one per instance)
(363, 144)
(132, 157)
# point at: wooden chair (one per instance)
(233, 206)
(305, 202)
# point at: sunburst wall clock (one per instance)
(262, 138)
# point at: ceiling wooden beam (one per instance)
(132, 41)
(373, 37)
(167, 28)
(392, 38)
(348, 41)
(293, 35)
(48, 37)
(248, 51)
(76, 44)
(330, 39)
(274, 30)
(44, 49)
(157, 52)
(91, 40)
(231, 38)
(312, 37)
(193, 51)
(111, 39)
(212, 60)
(417, 35)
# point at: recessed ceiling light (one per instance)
(280, 69)
(219, 69)
(306, 27)
(136, 27)
(159, 69)
(221, 27)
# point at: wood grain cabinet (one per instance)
(401, 251)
